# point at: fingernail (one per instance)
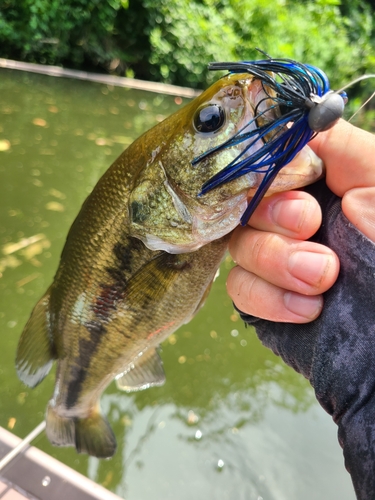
(290, 214)
(306, 306)
(309, 267)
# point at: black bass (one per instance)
(139, 260)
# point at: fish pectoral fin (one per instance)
(148, 372)
(150, 283)
(35, 351)
(92, 435)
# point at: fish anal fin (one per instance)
(60, 430)
(35, 351)
(92, 435)
(147, 372)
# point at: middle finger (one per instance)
(301, 266)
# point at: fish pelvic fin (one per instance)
(146, 372)
(92, 435)
(35, 351)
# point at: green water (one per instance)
(232, 421)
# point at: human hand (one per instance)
(335, 352)
(281, 277)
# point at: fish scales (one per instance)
(139, 261)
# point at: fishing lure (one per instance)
(307, 106)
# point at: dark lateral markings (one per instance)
(112, 293)
(104, 306)
(125, 254)
(87, 349)
(106, 303)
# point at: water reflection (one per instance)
(232, 421)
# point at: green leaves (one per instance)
(173, 40)
(185, 35)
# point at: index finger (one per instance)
(349, 156)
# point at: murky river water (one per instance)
(232, 421)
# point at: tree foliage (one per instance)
(173, 40)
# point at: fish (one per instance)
(141, 256)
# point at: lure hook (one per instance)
(309, 106)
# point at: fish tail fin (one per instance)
(95, 436)
(92, 435)
(35, 351)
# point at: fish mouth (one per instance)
(261, 100)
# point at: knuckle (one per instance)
(265, 250)
(241, 287)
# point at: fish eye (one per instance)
(209, 118)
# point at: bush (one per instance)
(173, 40)
(185, 35)
(57, 31)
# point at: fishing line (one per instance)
(17, 450)
(361, 106)
(359, 79)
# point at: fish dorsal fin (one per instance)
(147, 372)
(35, 352)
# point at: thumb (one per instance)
(358, 206)
(348, 154)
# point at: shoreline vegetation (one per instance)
(116, 81)
(172, 41)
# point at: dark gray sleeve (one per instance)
(336, 352)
